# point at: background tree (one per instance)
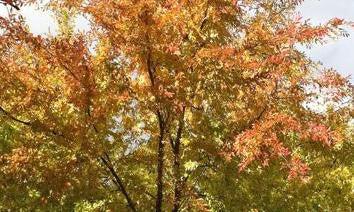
(172, 105)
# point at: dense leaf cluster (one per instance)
(182, 105)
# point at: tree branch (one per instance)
(13, 118)
(9, 2)
(118, 181)
(31, 124)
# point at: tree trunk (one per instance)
(177, 176)
(160, 164)
(176, 145)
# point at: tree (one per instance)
(11, 3)
(163, 104)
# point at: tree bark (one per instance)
(118, 181)
(176, 164)
(161, 146)
(160, 164)
(177, 176)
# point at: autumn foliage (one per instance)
(169, 105)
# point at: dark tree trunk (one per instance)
(160, 164)
(176, 146)
(177, 176)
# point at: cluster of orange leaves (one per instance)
(263, 142)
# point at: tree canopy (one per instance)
(162, 105)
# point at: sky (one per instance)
(338, 54)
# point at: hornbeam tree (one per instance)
(167, 105)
